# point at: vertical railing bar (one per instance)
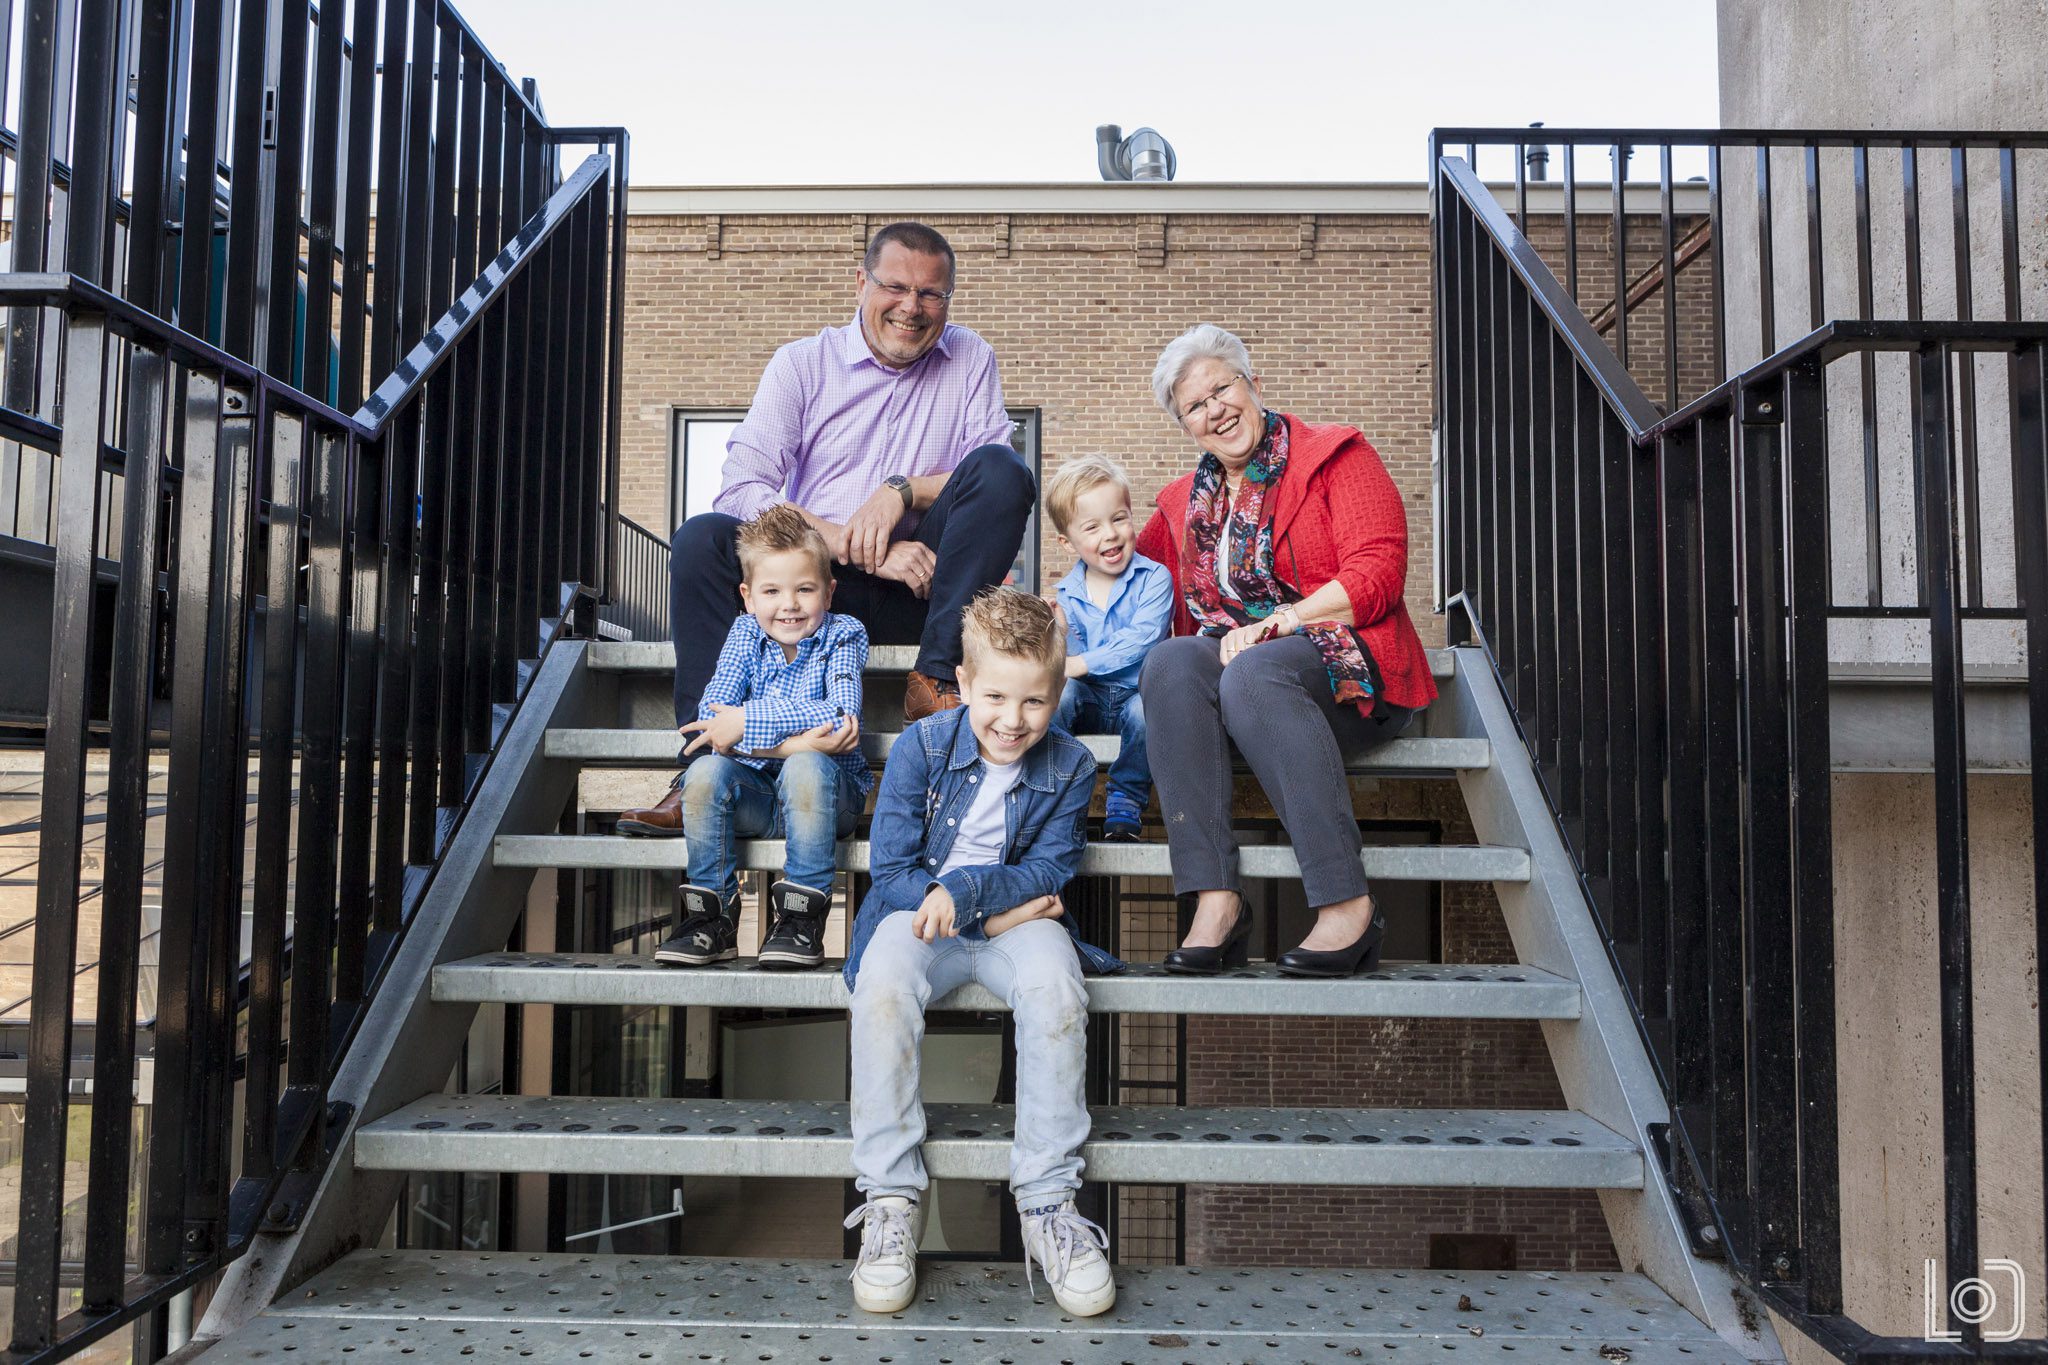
(1934, 487)
(129, 687)
(89, 241)
(1589, 410)
(314, 917)
(1620, 230)
(459, 724)
(153, 118)
(330, 132)
(29, 238)
(431, 603)
(392, 190)
(1772, 1115)
(1810, 592)
(1909, 195)
(2028, 381)
(2009, 229)
(1966, 382)
(46, 1113)
(1625, 881)
(202, 150)
(1866, 307)
(1670, 266)
(1727, 1160)
(244, 314)
(279, 455)
(1816, 268)
(1767, 281)
(1571, 222)
(1566, 596)
(361, 117)
(286, 168)
(363, 494)
(615, 350)
(1720, 290)
(1521, 188)
(184, 944)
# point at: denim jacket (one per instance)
(928, 784)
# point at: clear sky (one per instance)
(807, 92)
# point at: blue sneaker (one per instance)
(1121, 817)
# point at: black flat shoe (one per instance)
(1361, 956)
(1232, 953)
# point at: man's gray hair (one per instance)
(1204, 340)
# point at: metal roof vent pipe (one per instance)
(1144, 155)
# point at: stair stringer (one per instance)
(409, 1043)
(1602, 1065)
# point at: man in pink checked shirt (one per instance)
(889, 434)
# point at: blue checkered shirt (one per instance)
(785, 697)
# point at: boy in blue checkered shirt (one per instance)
(776, 748)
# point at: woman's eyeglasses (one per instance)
(1200, 407)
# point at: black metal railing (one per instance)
(1656, 593)
(363, 585)
(639, 597)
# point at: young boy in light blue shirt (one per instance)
(1116, 604)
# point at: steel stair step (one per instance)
(415, 1307)
(1417, 992)
(1154, 1144)
(659, 656)
(1399, 863)
(657, 748)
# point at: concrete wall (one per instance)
(1973, 65)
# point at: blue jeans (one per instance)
(809, 800)
(1111, 709)
(1035, 970)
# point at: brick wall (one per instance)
(1335, 310)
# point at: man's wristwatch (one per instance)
(901, 485)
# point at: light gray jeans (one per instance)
(1035, 970)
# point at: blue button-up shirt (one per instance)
(933, 773)
(785, 697)
(1114, 639)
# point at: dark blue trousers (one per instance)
(973, 529)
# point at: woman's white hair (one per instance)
(1204, 340)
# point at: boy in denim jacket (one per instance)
(978, 826)
(781, 718)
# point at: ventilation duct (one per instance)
(1144, 155)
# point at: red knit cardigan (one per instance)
(1335, 514)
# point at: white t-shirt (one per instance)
(979, 841)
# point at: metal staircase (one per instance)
(595, 700)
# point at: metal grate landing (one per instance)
(424, 1306)
(1440, 1147)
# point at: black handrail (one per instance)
(411, 535)
(1655, 595)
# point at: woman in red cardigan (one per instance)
(1289, 552)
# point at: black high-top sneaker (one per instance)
(798, 938)
(706, 932)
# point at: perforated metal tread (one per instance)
(657, 748)
(659, 656)
(1442, 1147)
(1416, 992)
(429, 1307)
(1399, 863)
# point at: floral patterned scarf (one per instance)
(1258, 590)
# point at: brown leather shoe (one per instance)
(663, 820)
(925, 696)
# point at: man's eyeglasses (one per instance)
(1200, 407)
(900, 293)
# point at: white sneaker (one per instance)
(1070, 1250)
(885, 1276)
